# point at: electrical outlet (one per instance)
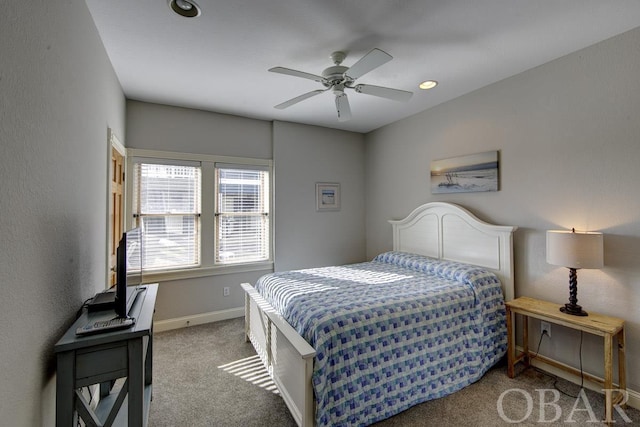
(226, 291)
(545, 326)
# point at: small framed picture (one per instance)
(327, 196)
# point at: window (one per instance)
(166, 204)
(242, 214)
(201, 214)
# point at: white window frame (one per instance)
(155, 212)
(221, 212)
(207, 267)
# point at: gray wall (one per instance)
(302, 155)
(184, 130)
(568, 134)
(58, 95)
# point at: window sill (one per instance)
(192, 273)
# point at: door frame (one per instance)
(113, 143)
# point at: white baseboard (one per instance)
(197, 319)
(634, 396)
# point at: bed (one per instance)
(416, 323)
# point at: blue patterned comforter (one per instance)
(391, 333)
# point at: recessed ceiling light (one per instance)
(428, 84)
(186, 8)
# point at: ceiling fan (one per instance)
(337, 78)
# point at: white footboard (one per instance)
(287, 356)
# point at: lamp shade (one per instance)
(575, 249)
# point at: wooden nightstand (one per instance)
(596, 324)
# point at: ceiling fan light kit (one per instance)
(337, 78)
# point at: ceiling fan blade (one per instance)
(384, 92)
(343, 108)
(297, 99)
(296, 73)
(370, 61)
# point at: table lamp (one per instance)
(574, 250)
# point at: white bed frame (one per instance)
(439, 230)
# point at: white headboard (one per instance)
(447, 231)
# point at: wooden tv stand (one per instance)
(103, 358)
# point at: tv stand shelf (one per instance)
(124, 355)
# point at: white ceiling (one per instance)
(219, 60)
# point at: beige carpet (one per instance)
(208, 376)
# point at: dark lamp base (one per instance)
(573, 309)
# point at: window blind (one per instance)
(166, 204)
(242, 215)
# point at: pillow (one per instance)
(464, 273)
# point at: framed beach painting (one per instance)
(465, 174)
(327, 196)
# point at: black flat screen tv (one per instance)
(129, 257)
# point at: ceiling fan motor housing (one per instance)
(334, 75)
